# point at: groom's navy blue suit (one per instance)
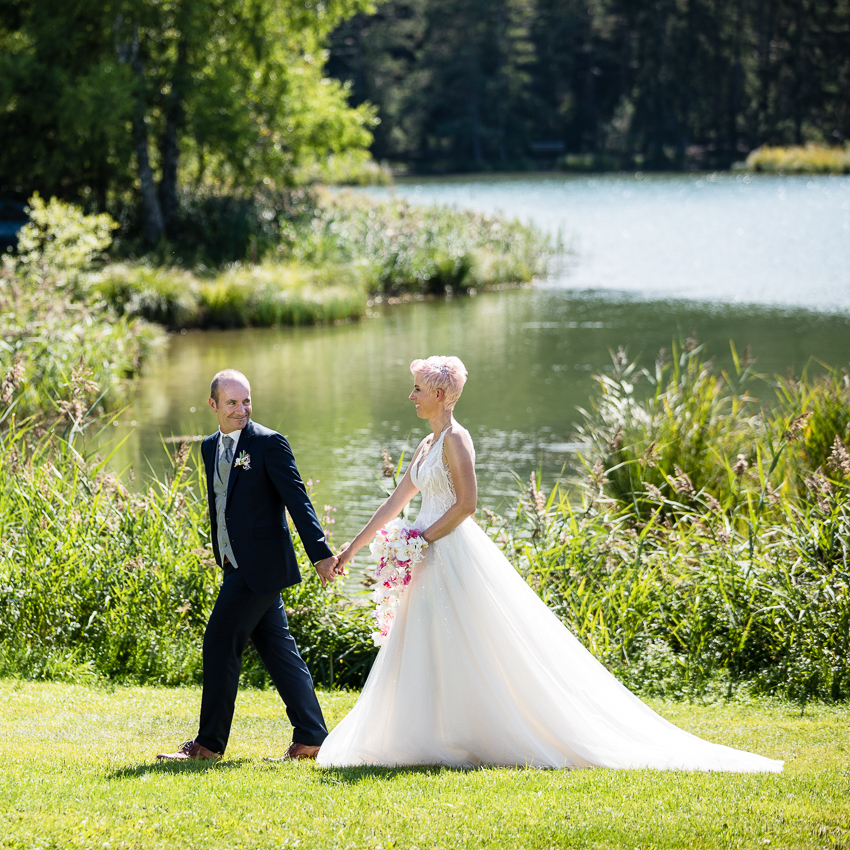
(260, 489)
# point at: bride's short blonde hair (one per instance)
(442, 373)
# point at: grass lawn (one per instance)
(78, 771)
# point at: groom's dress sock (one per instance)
(239, 613)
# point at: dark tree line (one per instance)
(663, 83)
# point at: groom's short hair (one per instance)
(225, 375)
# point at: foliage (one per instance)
(421, 248)
(61, 355)
(709, 550)
(59, 242)
(98, 582)
(105, 787)
(811, 159)
(332, 250)
(105, 98)
(515, 84)
(213, 228)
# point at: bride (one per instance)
(476, 669)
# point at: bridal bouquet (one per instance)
(397, 547)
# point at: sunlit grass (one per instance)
(801, 159)
(78, 771)
(243, 296)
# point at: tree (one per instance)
(143, 95)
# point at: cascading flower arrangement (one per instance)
(397, 547)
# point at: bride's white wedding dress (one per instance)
(478, 671)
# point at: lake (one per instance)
(763, 262)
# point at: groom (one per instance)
(251, 478)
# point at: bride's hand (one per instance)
(343, 558)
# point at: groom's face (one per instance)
(233, 405)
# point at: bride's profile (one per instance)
(476, 670)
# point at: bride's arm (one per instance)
(389, 510)
(457, 450)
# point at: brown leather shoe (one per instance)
(297, 752)
(191, 750)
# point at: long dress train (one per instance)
(478, 671)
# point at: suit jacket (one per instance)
(257, 494)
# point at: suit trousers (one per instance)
(238, 614)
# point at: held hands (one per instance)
(346, 555)
(327, 569)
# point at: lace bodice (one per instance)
(432, 476)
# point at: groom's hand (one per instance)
(343, 558)
(326, 569)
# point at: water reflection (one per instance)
(340, 393)
(722, 237)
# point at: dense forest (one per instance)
(472, 84)
(137, 105)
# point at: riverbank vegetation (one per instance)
(329, 256)
(61, 353)
(79, 773)
(801, 159)
(704, 556)
(709, 551)
(99, 583)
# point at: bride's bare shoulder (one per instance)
(458, 439)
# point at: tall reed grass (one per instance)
(61, 354)
(424, 249)
(708, 551)
(97, 582)
(802, 159)
(333, 252)
(242, 296)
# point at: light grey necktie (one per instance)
(225, 458)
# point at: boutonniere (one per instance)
(243, 460)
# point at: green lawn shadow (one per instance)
(165, 768)
(362, 773)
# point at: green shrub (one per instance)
(58, 244)
(214, 229)
(61, 356)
